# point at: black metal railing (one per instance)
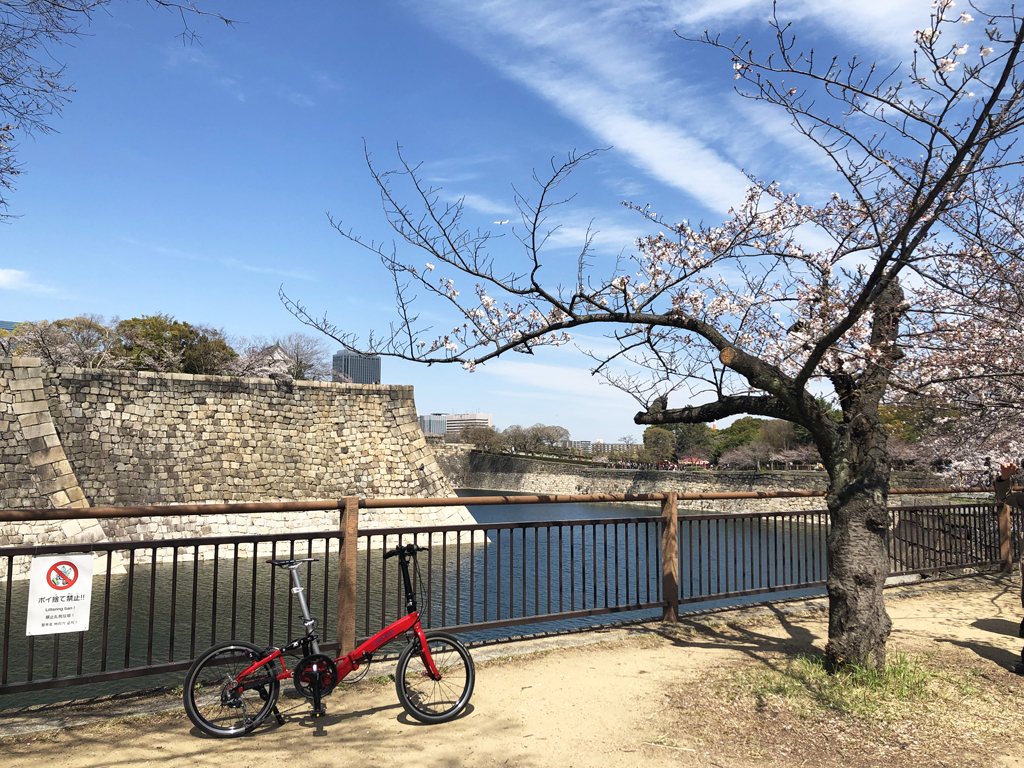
(156, 604)
(483, 577)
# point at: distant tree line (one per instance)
(747, 443)
(916, 438)
(161, 343)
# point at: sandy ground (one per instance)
(607, 703)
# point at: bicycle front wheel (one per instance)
(429, 700)
(218, 701)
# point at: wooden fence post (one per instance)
(1005, 548)
(349, 524)
(670, 558)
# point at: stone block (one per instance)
(59, 499)
(39, 430)
(19, 361)
(49, 456)
(23, 385)
(31, 406)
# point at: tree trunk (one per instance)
(858, 553)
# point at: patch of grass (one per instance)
(860, 691)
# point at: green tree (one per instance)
(659, 444)
(161, 343)
(482, 438)
(741, 432)
(693, 441)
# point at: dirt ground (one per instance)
(639, 696)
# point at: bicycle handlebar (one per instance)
(409, 549)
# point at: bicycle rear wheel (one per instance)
(429, 700)
(221, 704)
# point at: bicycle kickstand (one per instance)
(319, 710)
(278, 716)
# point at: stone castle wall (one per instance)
(520, 475)
(74, 437)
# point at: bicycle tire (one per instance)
(435, 701)
(213, 702)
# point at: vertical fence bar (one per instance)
(670, 557)
(152, 607)
(128, 610)
(7, 620)
(346, 620)
(234, 592)
(106, 615)
(252, 606)
(174, 602)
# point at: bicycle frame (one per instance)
(410, 623)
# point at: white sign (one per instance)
(59, 594)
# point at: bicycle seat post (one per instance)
(307, 620)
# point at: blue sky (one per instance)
(195, 180)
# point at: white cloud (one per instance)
(481, 204)
(301, 100)
(614, 68)
(236, 264)
(18, 280)
(540, 380)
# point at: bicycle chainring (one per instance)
(304, 674)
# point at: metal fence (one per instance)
(156, 604)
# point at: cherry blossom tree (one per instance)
(905, 286)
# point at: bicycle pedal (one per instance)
(320, 712)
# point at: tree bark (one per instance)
(858, 500)
(858, 562)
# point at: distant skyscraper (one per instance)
(434, 424)
(362, 369)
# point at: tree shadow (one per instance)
(999, 656)
(998, 626)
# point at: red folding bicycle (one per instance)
(234, 686)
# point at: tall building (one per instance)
(456, 422)
(434, 424)
(362, 369)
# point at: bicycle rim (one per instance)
(221, 704)
(429, 700)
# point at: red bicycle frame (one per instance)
(350, 661)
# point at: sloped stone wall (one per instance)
(74, 437)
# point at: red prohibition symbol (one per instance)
(62, 575)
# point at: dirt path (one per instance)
(634, 699)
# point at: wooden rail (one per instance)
(181, 510)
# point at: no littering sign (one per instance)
(59, 594)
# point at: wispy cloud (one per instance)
(301, 100)
(480, 203)
(616, 69)
(325, 82)
(178, 56)
(236, 264)
(540, 380)
(228, 262)
(20, 281)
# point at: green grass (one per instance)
(864, 692)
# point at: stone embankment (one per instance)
(471, 469)
(73, 437)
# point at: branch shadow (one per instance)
(999, 656)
